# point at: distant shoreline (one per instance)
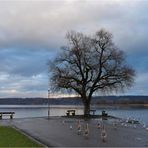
(124, 106)
(132, 101)
(95, 106)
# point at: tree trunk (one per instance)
(86, 108)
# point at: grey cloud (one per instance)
(23, 63)
(44, 23)
(32, 31)
(20, 86)
(140, 87)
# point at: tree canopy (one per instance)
(89, 64)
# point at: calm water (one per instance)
(23, 111)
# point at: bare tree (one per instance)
(90, 64)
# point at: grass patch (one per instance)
(10, 137)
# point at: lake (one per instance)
(25, 111)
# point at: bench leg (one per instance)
(67, 114)
(73, 114)
(11, 116)
(0, 116)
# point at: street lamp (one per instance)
(48, 104)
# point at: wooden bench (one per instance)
(93, 111)
(70, 112)
(104, 114)
(7, 114)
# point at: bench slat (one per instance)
(7, 112)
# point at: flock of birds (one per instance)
(85, 131)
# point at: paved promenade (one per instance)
(63, 132)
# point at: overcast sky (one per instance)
(31, 32)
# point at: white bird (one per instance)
(103, 134)
(79, 130)
(63, 122)
(70, 127)
(86, 131)
(115, 124)
(125, 125)
(122, 124)
(144, 126)
(135, 126)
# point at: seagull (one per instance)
(86, 131)
(103, 134)
(144, 126)
(63, 122)
(70, 127)
(115, 124)
(135, 126)
(122, 124)
(125, 125)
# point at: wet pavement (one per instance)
(62, 132)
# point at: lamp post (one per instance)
(48, 104)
